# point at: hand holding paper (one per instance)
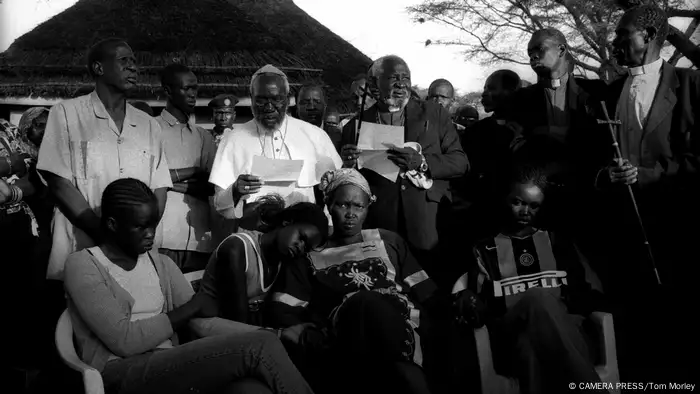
(375, 140)
(276, 170)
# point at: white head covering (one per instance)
(269, 69)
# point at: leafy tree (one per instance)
(495, 31)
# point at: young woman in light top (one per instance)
(246, 264)
(127, 302)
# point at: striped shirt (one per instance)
(509, 266)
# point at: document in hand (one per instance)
(276, 170)
(280, 176)
(375, 139)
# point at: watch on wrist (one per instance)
(423, 166)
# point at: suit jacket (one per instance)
(669, 149)
(415, 218)
(584, 147)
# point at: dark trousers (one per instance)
(372, 338)
(187, 260)
(542, 345)
(209, 365)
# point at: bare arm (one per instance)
(73, 205)
(27, 187)
(185, 174)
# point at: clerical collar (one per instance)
(555, 83)
(501, 122)
(651, 68)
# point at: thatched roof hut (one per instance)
(224, 41)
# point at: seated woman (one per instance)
(529, 288)
(246, 264)
(362, 293)
(126, 303)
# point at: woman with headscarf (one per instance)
(365, 294)
(31, 128)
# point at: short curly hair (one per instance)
(649, 15)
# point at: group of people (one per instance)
(343, 278)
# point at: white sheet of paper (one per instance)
(284, 189)
(276, 170)
(379, 137)
(378, 161)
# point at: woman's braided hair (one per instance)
(122, 195)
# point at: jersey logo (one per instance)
(520, 284)
(527, 259)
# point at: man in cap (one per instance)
(271, 135)
(185, 230)
(224, 114)
(93, 140)
(430, 157)
(442, 92)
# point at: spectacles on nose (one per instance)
(263, 102)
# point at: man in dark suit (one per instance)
(659, 108)
(402, 206)
(553, 112)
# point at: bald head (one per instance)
(389, 81)
(442, 92)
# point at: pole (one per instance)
(619, 158)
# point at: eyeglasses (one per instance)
(264, 101)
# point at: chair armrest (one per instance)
(92, 379)
(607, 369)
(491, 381)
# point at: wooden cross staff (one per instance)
(618, 157)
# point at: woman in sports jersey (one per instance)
(246, 264)
(529, 288)
(127, 302)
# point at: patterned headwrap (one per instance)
(332, 180)
(25, 122)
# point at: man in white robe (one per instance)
(272, 134)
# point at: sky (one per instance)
(364, 24)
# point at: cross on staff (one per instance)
(619, 159)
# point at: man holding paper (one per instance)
(273, 153)
(408, 150)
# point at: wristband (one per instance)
(16, 194)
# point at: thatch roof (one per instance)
(224, 41)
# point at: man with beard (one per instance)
(184, 231)
(407, 205)
(311, 105)
(441, 92)
(658, 106)
(273, 135)
(224, 112)
(93, 140)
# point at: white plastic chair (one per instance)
(493, 383)
(92, 380)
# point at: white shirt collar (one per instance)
(651, 68)
(555, 83)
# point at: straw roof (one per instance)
(224, 41)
